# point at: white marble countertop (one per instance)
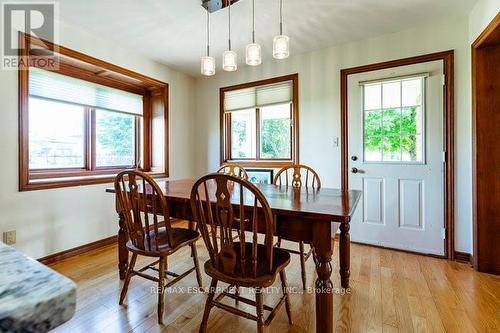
(33, 297)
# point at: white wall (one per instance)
(319, 77)
(50, 221)
(481, 15)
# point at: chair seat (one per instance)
(180, 237)
(243, 276)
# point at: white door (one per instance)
(396, 157)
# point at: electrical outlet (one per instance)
(9, 237)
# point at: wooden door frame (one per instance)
(449, 139)
(483, 40)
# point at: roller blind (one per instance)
(254, 97)
(52, 86)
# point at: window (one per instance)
(393, 113)
(116, 139)
(84, 123)
(259, 122)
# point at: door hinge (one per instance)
(444, 233)
(444, 157)
(443, 79)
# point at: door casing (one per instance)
(484, 150)
(448, 131)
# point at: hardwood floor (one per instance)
(391, 291)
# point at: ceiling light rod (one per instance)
(253, 21)
(281, 43)
(229, 30)
(208, 34)
(281, 17)
(208, 62)
(229, 57)
(253, 50)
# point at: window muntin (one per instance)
(56, 135)
(393, 120)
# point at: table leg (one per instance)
(122, 247)
(324, 287)
(345, 254)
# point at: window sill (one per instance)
(261, 163)
(58, 182)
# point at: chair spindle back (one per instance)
(233, 169)
(144, 207)
(222, 203)
(297, 175)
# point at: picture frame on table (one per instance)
(260, 176)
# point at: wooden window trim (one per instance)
(225, 126)
(103, 73)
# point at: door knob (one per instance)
(354, 158)
(354, 170)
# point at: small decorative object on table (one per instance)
(260, 176)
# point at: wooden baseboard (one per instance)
(53, 258)
(463, 257)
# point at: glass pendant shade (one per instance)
(281, 47)
(254, 55)
(229, 61)
(208, 66)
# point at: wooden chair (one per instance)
(298, 175)
(236, 203)
(150, 234)
(233, 169)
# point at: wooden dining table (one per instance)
(302, 214)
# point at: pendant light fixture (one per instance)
(281, 43)
(253, 51)
(229, 57)
(208, 62)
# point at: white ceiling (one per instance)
(174, 31)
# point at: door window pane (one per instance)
(115, 139)
(373, 148)
(391, 94)
(412, 92)
(56, 134)
(243, 132)
(391, 122)
(412, 120)
(275, 132)
(373, 96)
(373, 123)
(391, 148)
(411, 148)
(394, 133)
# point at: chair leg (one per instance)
(191, 226)
(161, 289)
(127, 278)
(208, 305)
(287, 297)
(278, 244)
(302, 264)
(194, 253)
(259, 307)
(237, 294)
